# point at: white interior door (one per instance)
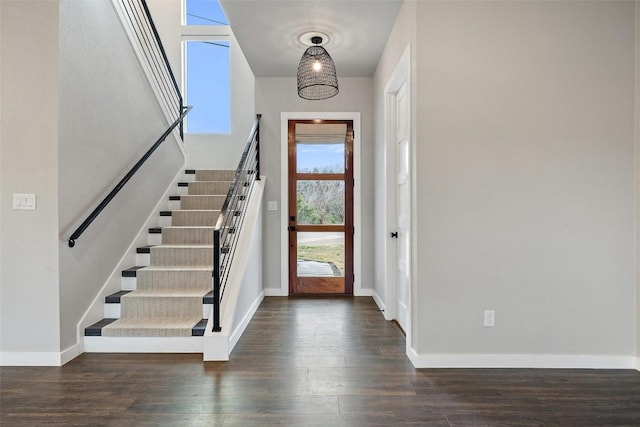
(403, 209)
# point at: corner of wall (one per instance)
(637, 178)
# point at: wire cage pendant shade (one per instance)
(317, 77)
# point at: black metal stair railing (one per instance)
(138, 19)
(227, 229)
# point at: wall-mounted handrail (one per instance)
(142, 31)
(94, 214)
(231, 217)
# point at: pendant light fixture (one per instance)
(317, 73)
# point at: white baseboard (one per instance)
(379, 302)
(363, 292)
(27, 358)
(637, 363)
(71, 353)
(39, 358)
(551, 361)
(239, 330)
(274, 292)
(143, 344)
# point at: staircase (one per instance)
(169, 293)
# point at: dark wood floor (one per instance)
(311, 362)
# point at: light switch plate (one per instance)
(272, 205)
(24, 202)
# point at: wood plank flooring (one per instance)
(311, 362)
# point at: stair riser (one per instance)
(194, 219)
(143, 259)
(209, 188)
(157, 307)
(202, 202)
(154, 239)
(187, 236)
(177, 280)
(128, 283)
(210, 175)
(113, 310)
(181, 256)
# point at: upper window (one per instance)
(204, 12)
(207, 83)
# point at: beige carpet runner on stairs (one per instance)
(168, 296)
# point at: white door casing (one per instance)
(283, 290)
(402, 205)
(399, 187)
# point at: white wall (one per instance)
(210, 151)
(29, 286)
(526, 179)
(275, 95)
(105, 97)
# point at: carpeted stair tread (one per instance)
(155, 293)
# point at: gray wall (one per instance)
(637, 157)
(29, 287)
(275, 95)
(525, 185)
(109, 117)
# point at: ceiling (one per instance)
(268, 32)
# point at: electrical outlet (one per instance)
(489, 318)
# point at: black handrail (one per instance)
(229, 223)
(142, 26)
(92, 216)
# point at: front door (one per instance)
(320, 206)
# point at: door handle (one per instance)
(394, 234)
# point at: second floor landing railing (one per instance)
(227, 229)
